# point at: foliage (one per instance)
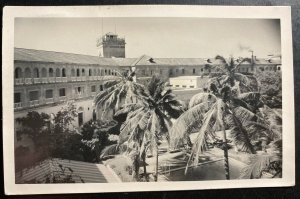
(148, 119)
(95, 137)
(123, 88)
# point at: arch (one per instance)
(63, 72)
(90, 72)
(83, 72)
(36, 73)
(80, 109)
(77, 72)
(18, 73)
(44, 72)
(73, 72)
(57, 72)
(27, 73)
(51, 72)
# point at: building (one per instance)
(44, 80)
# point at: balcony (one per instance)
(64, 79)
(58, 79)
(18, 105)
(51, 79)
(34, 103)
(49, 100)
(44, 80)
(28, 80)
(37, 80)
(19, 81)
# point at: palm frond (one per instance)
(257, 164)
(202, 98)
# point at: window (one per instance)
(101, 87)
(170, 72)
(33, 95)
(83, 72)
(183, 86)
(57, 72)
(177, 86)
(194, 71)
(176, 70)
(36, 73)
(90, 72)
(80, 118)
(17, 97)
(77, 72)
(62, 92)
(182, 71)
(51, 73)
(49, 93)
(93, 89)
(201, 69)
(78, 90)
(18, 73)
(94, 115)
(278, 68)
(192, 86)
(63, 72)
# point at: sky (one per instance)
(156, 37)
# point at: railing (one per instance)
(37, 80)
(73, 79)
(62, 98)
(64, 79)
(18, 105)
(51, 79)
(28, 80)
(58, 79)
(19, 81)
(49, 100)
(44, 80)
(34, 103)
(78, 79)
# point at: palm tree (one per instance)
(208, 113)
(123, 88)
(148, 120)
(229, 74)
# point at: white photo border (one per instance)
(247, 12)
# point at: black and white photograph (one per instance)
(117, 100)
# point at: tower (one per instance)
(112, 45)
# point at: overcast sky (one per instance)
(156, 37)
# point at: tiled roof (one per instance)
(22, 54)
(88, 172)
(30, 55)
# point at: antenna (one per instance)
(102, 27)
(115, 26)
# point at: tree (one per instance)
(208, 113)
(228, 73)
(122, 89)
(147, 121)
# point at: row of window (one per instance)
(183, 71)
(36, 73)
(35, 95)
